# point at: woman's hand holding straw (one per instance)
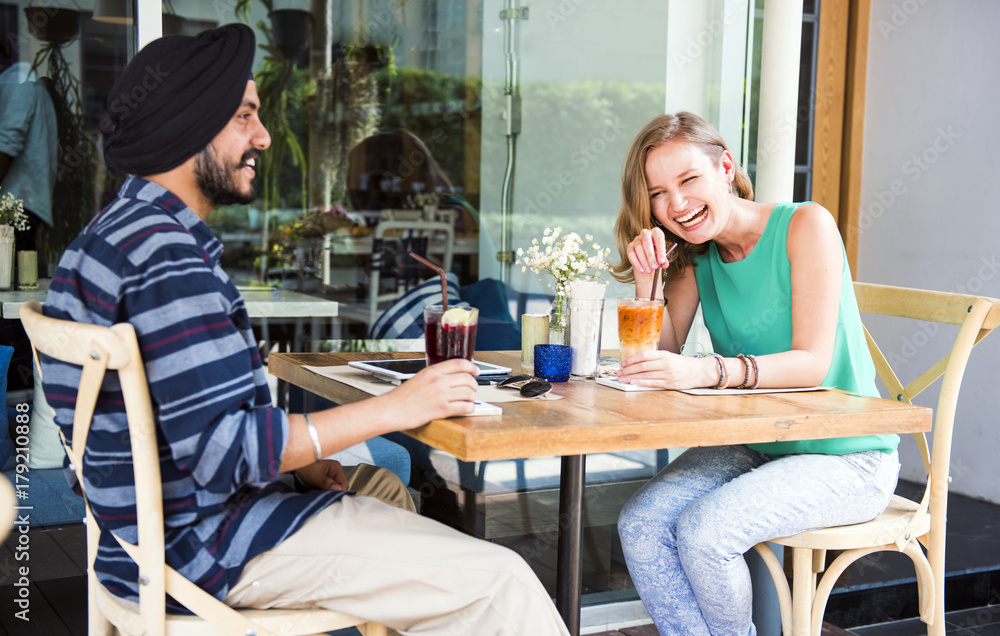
(656, 274)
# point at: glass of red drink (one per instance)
(450, 334)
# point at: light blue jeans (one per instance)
(685, 532)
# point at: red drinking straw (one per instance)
(444, 279)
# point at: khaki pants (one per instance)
(376, 561)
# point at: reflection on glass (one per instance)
(77, 59)
(384, 109)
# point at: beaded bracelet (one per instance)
(756, 372)
(723, 372)
(746, 370)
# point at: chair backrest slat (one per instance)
(97, 349)
(976, 317)
(918, 304)
(70, 341)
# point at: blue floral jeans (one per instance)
(685, 532)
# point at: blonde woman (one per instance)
(778, 302)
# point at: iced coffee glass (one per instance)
(639, 321)
(450, 334)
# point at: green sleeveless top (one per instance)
(747, 307)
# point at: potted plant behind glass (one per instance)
(292, 32)
(54, 25)
(283, 88)
(291, 28)
(73, 195)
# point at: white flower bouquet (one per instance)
(566, 258)
(12, 216)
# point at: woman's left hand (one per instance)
(666, 370)
(327, 474)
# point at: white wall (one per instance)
(929, 198)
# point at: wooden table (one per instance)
(595, 419)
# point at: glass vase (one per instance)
(6, 259)
(558, 319)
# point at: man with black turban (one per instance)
(184, 120)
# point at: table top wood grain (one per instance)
(593, 418)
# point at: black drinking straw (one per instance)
(656, 274)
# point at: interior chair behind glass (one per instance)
(905, 525)
(391, 261)
(99, 350)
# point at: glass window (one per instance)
(423, 110)
(57, 64)
(76, 58)
(402, 110)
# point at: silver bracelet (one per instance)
(314, 435)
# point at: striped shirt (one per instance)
(149, 260)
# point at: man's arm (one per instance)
(17, 108)
(439, 391)
(208, 388)
(5, 161)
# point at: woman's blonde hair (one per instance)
(636, 214)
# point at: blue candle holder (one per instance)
(552, 362)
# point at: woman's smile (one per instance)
(693, 218)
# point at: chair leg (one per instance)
(780, 585)
(97, 624)
(371, 629)
(803, 588)
(819, 561)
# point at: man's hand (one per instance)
(327, 474)
(442, 390)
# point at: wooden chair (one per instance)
(98, 350)
(7, 502)
(905, 525)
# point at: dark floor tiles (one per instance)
(642, 630)
(42, 618)
(983, 621)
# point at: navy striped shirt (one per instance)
(149, 260)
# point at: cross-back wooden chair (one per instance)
(905, 525)
(7, 503)
(99, 350)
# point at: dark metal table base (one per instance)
(569, 567)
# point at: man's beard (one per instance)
(217, 181)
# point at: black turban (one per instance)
(174, 97)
